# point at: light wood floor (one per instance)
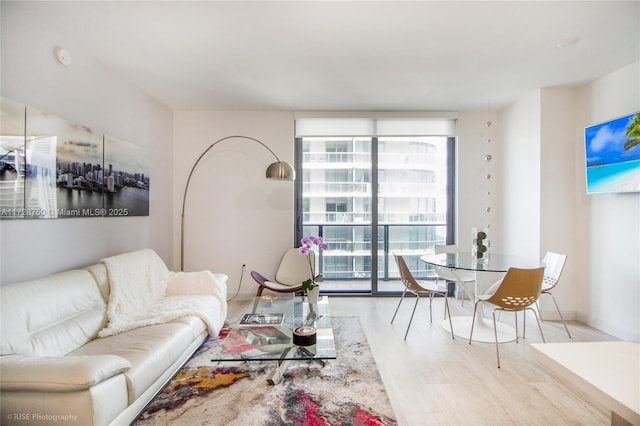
(434, 380)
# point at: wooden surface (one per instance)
(609, 371)
(434, 380)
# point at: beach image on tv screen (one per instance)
(613, 155)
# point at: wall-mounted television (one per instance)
(613, 155)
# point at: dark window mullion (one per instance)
(451, 202)
(374, 215)
(298, 208)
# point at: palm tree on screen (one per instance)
(633, 133)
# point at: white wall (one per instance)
(520, 177)
(92, 95)
(545, 206)
(234, 216)
(472, 186)
(607, 225)
(474, 192)
(557, 192)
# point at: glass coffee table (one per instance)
(272, 327)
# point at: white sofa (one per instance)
(54, 369)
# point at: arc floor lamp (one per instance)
(278, 170)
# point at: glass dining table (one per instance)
(497, 263)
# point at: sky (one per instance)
(605, 142)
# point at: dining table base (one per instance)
(482, 330)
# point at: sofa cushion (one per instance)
(98, 406)
(69, 373)
(150, 350)
(50, 316)
(101, 277)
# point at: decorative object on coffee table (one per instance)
(310, 285)
(257, 320)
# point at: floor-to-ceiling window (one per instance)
(369, 196)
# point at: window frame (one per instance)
(374, 178)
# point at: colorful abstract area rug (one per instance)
(346, 391)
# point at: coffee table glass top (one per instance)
(263, 342)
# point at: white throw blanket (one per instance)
(144, 292)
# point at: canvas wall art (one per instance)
(12, 159)
(126, 178)
(66, 170)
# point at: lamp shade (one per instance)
(280, 170)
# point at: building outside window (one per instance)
(358, 192)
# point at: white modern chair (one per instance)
(458, 276)
(419, 288)
(553, 266)
(293, 270)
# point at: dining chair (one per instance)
(419, 288)
(292, 271)
(553, 266)
(518, 290)
(459, 276)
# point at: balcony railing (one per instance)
(385, 189)
(349, 254)
(327, 189)
(385, 160)
(398, 218)
(310, 158)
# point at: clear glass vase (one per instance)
(313, 294)
(480, 245)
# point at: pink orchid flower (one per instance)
(305, 248)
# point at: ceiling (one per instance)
(338, 55)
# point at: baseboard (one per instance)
(615, 331)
